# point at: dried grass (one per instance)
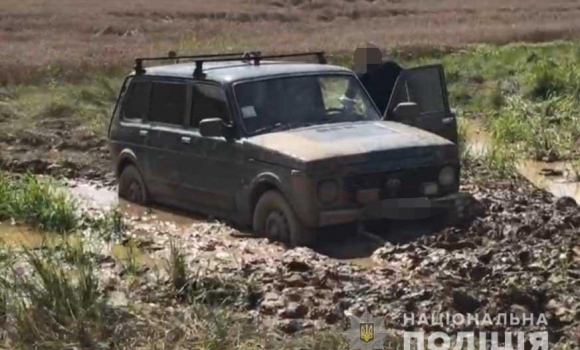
(72, 35)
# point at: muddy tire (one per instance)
(275, 219)
(132, 187)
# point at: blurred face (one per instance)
(366, 59)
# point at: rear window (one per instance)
(168, 102)
(135, 106)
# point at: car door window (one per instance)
(424, 86)
(136, 103)
(168, 101)
(208, 101)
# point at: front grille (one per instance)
(410, 182)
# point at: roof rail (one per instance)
(256, 57)
(173, 56)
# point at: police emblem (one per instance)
(367, 331)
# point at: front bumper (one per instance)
(400, 208)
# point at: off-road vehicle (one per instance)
(282, 146)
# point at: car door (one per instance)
(212, 163)
(426, 87)
(169, 99)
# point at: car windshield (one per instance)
(290, 102)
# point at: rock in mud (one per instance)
(464, 302)
(294, 310)
(564, 203)
(295, 280)
(290, 326)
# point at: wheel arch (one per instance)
(263, 183)
(126, 157)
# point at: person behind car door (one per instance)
(377, 75)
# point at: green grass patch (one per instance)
(54, 305)
(527, 95)
(38, 202)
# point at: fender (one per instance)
(269, 179)
(248, 197)
(125, 156)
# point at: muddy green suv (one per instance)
(284, 147)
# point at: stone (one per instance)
(270, 306)
(118, 299)
(290, 326)
(464, 302)
(333, 316)
(292, 295)
(564, 203)
(295, 280)
(294, 311)
(298, 266)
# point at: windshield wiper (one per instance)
(280, 127)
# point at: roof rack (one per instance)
(256, 57)
(172, 55)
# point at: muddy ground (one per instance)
(60, 146)
(520, 254)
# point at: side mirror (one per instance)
(214, 127)
(407, 112)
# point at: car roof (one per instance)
(231, 71)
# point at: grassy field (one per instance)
(40, 35)
(527, 95)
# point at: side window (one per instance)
(168, 102)
(425, 88)
(208, 101)
(422, 85)
(135, 105)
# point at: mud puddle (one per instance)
(554, 177)
(22, 236)
(211, 242)
(16, 235)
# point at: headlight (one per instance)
(327, 191)
(447, 176)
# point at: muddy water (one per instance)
(21, 235)
(554, 177)
(343, 244)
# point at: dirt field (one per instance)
(35, 33)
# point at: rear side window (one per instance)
(208, 101)
(135, 106)
(168, 102)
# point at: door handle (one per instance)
(143, 133)
(186, 140)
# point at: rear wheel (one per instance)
(132, 187)
(275, 219)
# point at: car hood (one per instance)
(348, 143)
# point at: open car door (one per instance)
(419, 98)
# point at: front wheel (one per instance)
(275, 219)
